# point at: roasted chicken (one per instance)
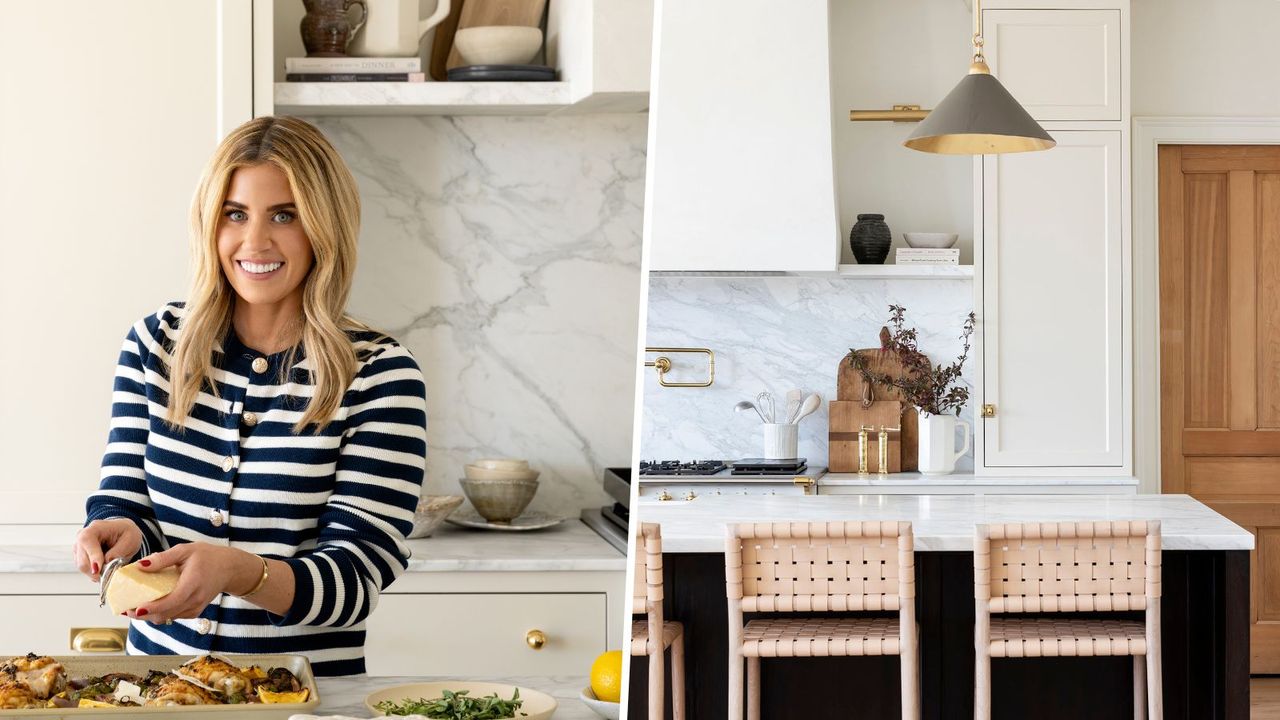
(219, 675)
(18, 696)
(45, 676)
(173, 690)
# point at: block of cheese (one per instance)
(132, 587)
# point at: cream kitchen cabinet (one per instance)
(100, 152)
(1052, 249)
(740, 172)
(1060, 64)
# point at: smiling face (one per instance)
(261, 245)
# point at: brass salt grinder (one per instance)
(863, 442)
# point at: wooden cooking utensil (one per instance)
(443, 43)
(483, 13)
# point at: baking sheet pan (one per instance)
(97, 665)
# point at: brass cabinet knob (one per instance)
(988, 410)
(535, 639)
(689, 495)
(98, 640)
(665, 496)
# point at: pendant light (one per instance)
(978, 117)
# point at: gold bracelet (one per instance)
(261, 582)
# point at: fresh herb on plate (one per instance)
(456, 706)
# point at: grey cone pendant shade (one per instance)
(979, 117)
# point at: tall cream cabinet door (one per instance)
(111, 110)
(1052, 307)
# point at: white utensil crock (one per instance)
(781, 441)
(938, 443)
(394, 30)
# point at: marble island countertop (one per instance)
(345, 696)
(939, 522)
(571, 546)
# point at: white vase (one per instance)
(938, 453)
(781, 441)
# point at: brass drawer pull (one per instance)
(98, 640)
(535, 639)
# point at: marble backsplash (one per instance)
(778, 333)
(505, 253)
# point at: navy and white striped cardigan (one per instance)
(335, 506)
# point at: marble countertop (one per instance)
(345, 696)
(571, 546)
(940, 522)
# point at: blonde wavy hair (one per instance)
(328, 205)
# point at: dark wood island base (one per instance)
(1204, 627)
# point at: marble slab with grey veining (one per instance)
(939, 522)
(570, 547)
(504, 252)
(778, 333)
(345, 696)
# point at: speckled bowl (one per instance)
(606, 710)
(431, 511)
(499, 500)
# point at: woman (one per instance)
(263, 442)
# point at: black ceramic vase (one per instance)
(870, 240)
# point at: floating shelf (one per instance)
(422, 98)
(910, 272)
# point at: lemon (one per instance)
(606, 676)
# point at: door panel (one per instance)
(1052, 307)
(1220, 351)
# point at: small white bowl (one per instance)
(498, 44)
(607, 710)
(478, 473)
(930, 239)
(501, 464)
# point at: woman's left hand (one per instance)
(205, 571)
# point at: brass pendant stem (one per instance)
(977, 33)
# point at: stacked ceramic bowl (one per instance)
(499, 489)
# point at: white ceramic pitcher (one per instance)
(393, 28)
(938, 454)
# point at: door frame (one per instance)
(1149, 133)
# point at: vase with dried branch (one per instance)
(935, 390)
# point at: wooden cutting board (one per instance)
(442, 45)
(850, 385)
(847, 417)
(483, 13)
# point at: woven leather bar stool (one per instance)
(1068, 567)
(652, 636)
(820, 567)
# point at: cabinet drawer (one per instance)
(46, 621)
(1060, 64)
(484, 634)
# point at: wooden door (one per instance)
(1220, 351)
(1052, 317)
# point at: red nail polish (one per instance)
(95, 568)
(141, 612)
(144, 563)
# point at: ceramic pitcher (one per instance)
(394, 30)
(326, 31)
(938, 453)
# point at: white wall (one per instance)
(1201, 57)
(903, 52)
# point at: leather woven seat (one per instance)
(1066, 637)
(821, 637)
(640, 635)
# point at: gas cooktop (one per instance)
(655, 470)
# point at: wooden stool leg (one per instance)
(982, 686)
(1155, 686)
(753, 688)
(1139, 687)
(657, 683)
(677, 678)
(735, 684)
(910, 670)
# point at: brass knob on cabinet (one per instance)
(665, 496)
(98, 640)
(535, 639)
(689, 495)
(988, 410)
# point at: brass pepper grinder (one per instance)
(882, 440)
(863, 441)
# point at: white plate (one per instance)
(606, 710)
(468, 517)
(537, 705)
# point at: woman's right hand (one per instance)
(102, 541)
